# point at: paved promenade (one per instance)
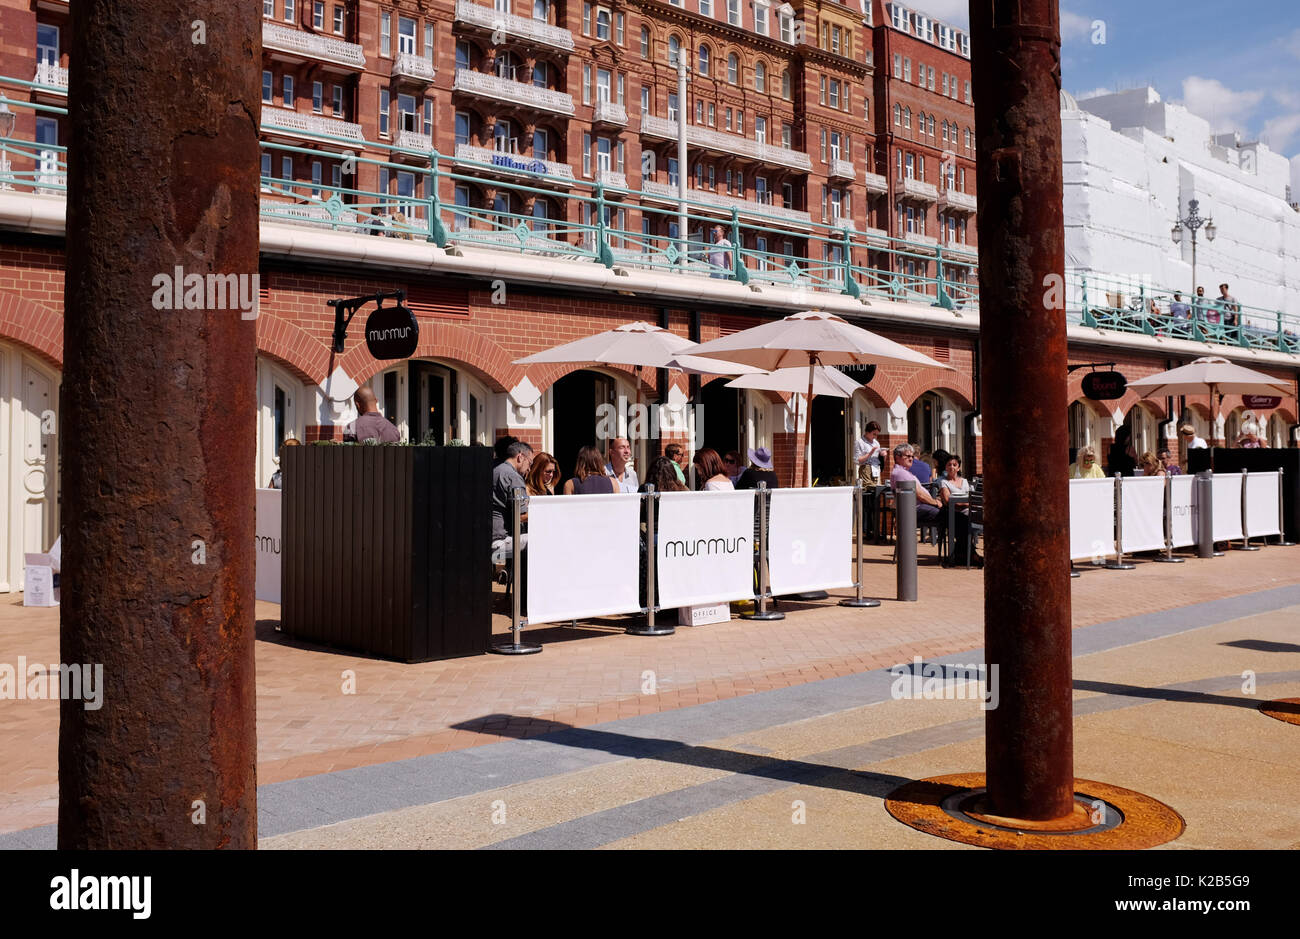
(745, 721)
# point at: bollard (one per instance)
(651, 627)
(1205, 515)
(1168, 556)
(905, 510)
(1119, 564)
(761, 612)
(517, 621)
(858, 600)
(1281, 511)
(1245, 533)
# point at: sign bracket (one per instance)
(351, 306)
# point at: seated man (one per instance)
(507, 479)
(927, 506)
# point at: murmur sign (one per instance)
(392, 332)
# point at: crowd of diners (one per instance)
(1124, 460)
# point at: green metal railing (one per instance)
(636, 230)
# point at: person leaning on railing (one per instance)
(1085, 465)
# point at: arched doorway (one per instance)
(1142, 426)
(578, 402)
(830, 434)
(1277, 431)
(934, 422)
(434, 402)
(29, 461)
(1085, 428)
(723, 411)
(279, 416)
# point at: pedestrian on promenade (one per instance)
(720, 255)
(1178, 309)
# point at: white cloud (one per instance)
(1074, 26)
(955, 12)
(1095, 93)
(1224, 108)
(1282, 130)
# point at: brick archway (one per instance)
(294, 348)
(953, 386)
(37, 328)
(544, 376)
(479, 355)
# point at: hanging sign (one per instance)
(1104, 386)
(1261, 402)
(859, 373)
(392, 332)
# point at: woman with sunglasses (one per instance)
(543, 475)
(1086, 465)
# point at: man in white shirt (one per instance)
(720, 254)
(1192, 441)
(866, 455)
(620, 465)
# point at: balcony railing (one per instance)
(414, 140)
(609, 112)
(505, 89)
(962, 201)
(513, 162)
(280, 120)
(842, 169)
(917, 238)
(743, 206)
(312, 45)
(410, 65)
(612, 178)
(47, 73)
(875, 182)
(916, 189)
(653, 126)
(519, 26)
(876, 237)
(958, 247)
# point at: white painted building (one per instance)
(1133, 163)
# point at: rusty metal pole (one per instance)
(158, 408)
(1016, 69)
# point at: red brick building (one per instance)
(550, 213)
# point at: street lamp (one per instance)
(1193, 223)
(7, 119)
(682, 222)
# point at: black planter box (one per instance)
(1259, 460)
(387, 549)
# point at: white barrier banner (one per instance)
(1182, 497)
(1092, 518)
(705, 551)
(584, 556)
(1226, 498)
(1262, 513)
(267, 541)
(810, 539)
(1142, 513)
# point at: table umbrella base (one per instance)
(765, 615)
(863, 603)
(517, 648)
(656, 630)
(1162, 559)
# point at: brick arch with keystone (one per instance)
(480, 356)
(35, 327)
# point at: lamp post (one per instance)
(682, 234)
(7, 119)
(1193, 223)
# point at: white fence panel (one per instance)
(1142, 513)
(1227, 507)
(1183, 505)
(1092, 518)
(267, 540)
(705, 550)
(1262, 514)
(810, 539)
(584, 556)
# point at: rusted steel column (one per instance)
(159, 420)
(1016, 69)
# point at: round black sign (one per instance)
(862, 374)
(1104, 386)
(392, 332)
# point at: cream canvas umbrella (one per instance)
(807, 339)
(1213, 374)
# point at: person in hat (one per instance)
(1188, 433)
(759, 471)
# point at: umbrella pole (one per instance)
(794, 464)
(807, 437)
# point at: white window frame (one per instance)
(318, 14)
(385, 33)
(734, 16)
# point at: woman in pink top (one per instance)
(710, 471)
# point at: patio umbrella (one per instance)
(1214, 374)
(806, 340)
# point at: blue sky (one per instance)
(1236, 64)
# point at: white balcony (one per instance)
(877, 237)
(607, 112)
(513, 162)
(519, 26)
(842, 169)
(291, 213)
(743, 206)
(915, 189)
(965, 250)
(505, 89)
(410, 65)
(961, 201)
(612, 178)
(707, 139)
(308, 126)
(843, 221)
(298, 44)
(414, 140)
(874, 182)
(47, 73)
(919, 239)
